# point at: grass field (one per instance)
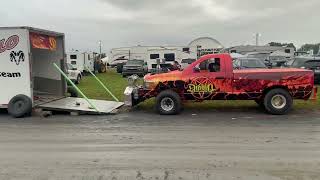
(117, 84)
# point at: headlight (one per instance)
(148, 84)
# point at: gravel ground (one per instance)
(142, 145)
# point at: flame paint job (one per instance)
(229, 84)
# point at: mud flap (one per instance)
(80, 105)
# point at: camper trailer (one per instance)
(81, 60)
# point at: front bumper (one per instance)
(132, 72)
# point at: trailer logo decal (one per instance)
(10, 74)
(17, 57)
(9, 44)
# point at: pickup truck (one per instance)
(212, 77)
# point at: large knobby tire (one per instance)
(20, 106)
(168, 103)
(278, 101)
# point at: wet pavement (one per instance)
(233, 144)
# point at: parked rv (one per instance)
(81, 60)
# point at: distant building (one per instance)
(260, 49)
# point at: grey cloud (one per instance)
(153, 22)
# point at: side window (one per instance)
(154, 56)
(169, 57)
(73, 56)
(210, 65)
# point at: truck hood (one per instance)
(170, 76)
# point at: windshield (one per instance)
(135, 62)
(259, 55)
(300, 62)
(188, 61)
(312, 64)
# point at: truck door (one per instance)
(207, 80)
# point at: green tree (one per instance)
(308, 47)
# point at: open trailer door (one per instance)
(48, 63)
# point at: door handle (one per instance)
(219, 77)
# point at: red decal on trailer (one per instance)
(9, 44)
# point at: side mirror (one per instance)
(196, 69)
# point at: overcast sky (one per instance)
(121, 23)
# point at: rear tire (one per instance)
(278, 102)
(168, 103)
(20, 106)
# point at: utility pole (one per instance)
(257, 35)
(100, 47)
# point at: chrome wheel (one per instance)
(278, 101)
(167, 104)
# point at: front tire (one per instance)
(20, 106)
(278, 102)
(168, 103)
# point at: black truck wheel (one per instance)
(168, 103)
(20, 106)
(278, 102)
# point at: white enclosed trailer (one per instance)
(27, 76)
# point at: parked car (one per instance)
(213, 78)
(186, 62)
(134, 66)
(311, 63)
(121, 60)
(248, 63)
(74, 74)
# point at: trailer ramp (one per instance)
(81, 106)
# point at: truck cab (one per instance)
(212, 77)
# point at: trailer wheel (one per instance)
(168, 103)
(20, 106)
(278, 102)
